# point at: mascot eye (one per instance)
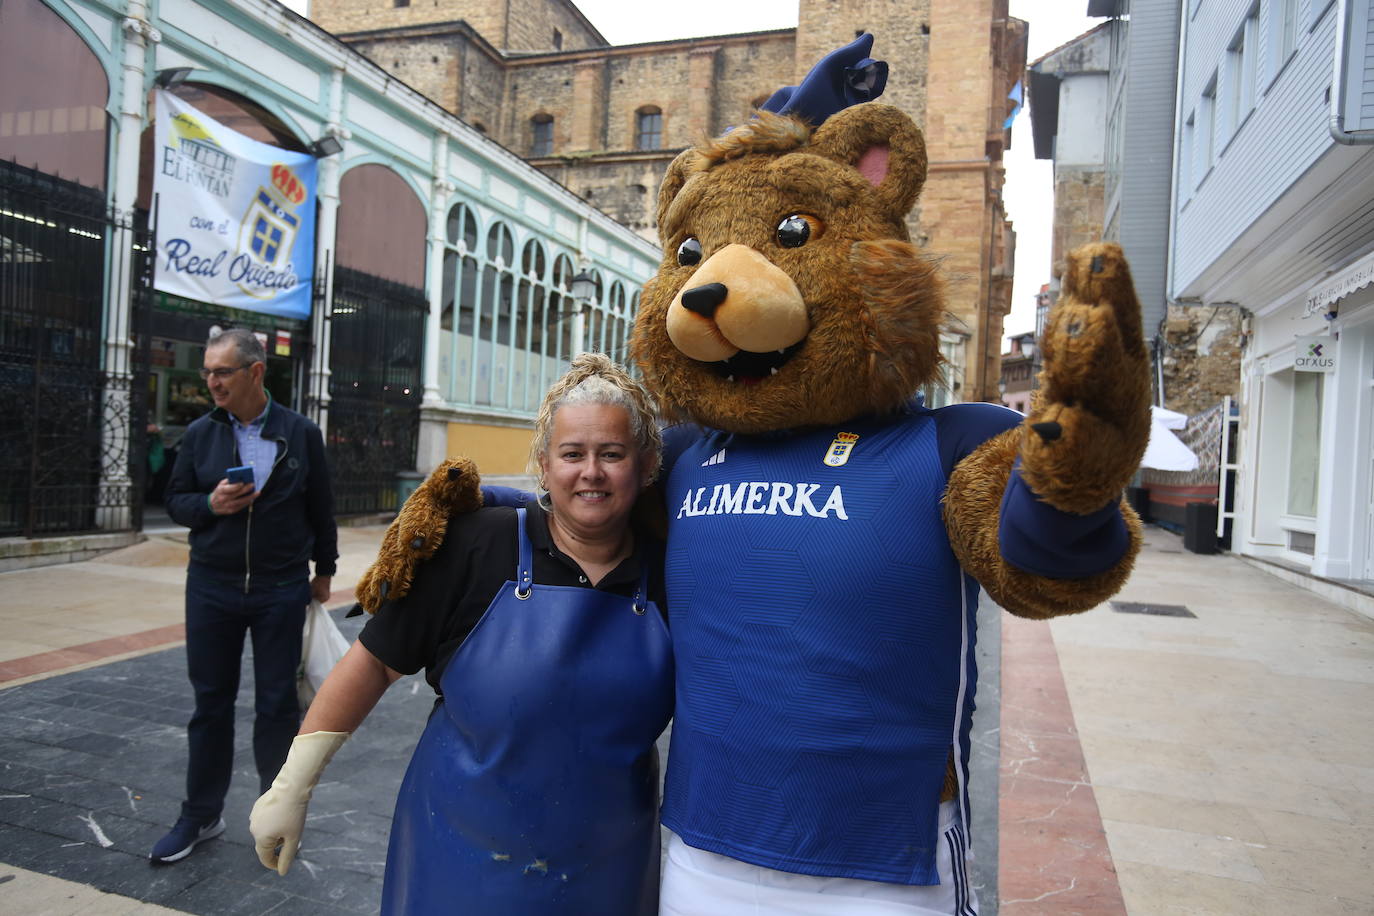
(689, 253)
(796, 230)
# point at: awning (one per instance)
(1342, 283)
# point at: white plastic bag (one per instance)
(322, 645)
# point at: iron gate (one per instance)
(377, 338)
(73, 447)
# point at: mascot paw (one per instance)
(1089, 427)
(454, 488)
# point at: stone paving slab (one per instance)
(92, 772)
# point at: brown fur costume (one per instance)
(856, 310)
(870, 304)
(418, 531)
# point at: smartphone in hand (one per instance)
(241, 474)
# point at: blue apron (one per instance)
(533, 789)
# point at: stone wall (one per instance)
(625, 187)
(451, 65)
(901, 30)
(428, 64)
(533, 22)
(530, 26)
(973, 60)
(1078, 209)
(481, 91)
(1201, 356)
(539, 90)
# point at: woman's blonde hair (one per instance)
(595, 380)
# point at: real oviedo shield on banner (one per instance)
(235, 217)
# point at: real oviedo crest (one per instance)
(839, 450)
(268, 233)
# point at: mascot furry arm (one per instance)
(416, 533)
(1076, 451)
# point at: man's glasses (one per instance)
(222, 373)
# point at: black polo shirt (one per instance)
(452, 589)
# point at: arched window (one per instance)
(461, 270)
(500, 245)
(462, 228)
(382, 226)
(541, 135)
(53, 92)
(615, 346)
(649, 127)
(495, 323)
(531, 325)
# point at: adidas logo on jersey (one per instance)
(717, 458)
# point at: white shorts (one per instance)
(701, 883)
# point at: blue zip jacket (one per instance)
(289, 524)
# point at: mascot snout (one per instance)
(737, 300)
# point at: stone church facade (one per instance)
(537, 77)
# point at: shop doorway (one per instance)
(376, 341)
(375, 389)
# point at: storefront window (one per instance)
(1305, 444)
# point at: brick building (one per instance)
(537, 76)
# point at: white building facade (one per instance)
(1273, 214)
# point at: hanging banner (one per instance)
(236, 218)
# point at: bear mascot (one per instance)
(827, 533)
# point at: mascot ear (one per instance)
(678, 172)
(883, 145)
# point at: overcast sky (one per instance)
(1030, 188)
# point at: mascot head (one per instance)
(789, 294)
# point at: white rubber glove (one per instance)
(278, 818)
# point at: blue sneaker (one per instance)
(184, 836)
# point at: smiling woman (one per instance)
(534, 787)
(596, 447)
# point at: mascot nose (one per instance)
(704, 299)
(739, 300)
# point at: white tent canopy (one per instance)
(1166, 452)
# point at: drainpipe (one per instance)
(1157, 343)
(1338, 85)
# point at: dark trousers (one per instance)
(218, 612)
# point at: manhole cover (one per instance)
(1158, 610)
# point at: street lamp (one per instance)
(326, 146)
(583, 289)
(171, 77)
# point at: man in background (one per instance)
(251, 548)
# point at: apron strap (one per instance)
(524, 576)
